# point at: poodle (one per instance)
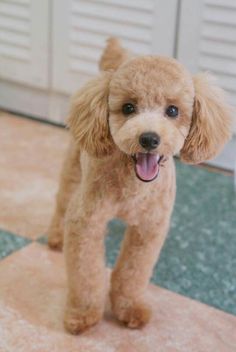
(126, 126)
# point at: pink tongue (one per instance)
(147, 166)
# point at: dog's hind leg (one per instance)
(70, 177)
(133, 270)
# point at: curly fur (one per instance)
(113, 56)
(89, 114)
(98, 181)
(211, 121)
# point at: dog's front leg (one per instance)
(84, 254)
(132, 272)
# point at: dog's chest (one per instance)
(132, 199)
(139, 199)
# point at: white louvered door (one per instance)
(81, 28)
(207, 40)
(24, 41)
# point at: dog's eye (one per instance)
(128, 109)
(172, 111)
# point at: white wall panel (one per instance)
(81, 27)
(207, 40)
(24, 41)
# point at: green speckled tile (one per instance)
(199, 257)
(10, 243)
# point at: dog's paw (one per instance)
(55, 241)
(76, 321)
(134, 314)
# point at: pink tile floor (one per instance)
(32, 300)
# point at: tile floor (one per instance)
(198, 259)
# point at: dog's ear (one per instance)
(113, 55)
(211, 122)
(88, 119)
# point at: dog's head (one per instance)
(150, 108)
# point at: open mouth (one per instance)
(147, 166)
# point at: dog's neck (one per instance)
(120, 167)
(117, 161)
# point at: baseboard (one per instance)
(227, 158)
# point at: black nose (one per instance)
(149, 140)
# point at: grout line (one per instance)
(210, 168)
(33, 118)
(216, 169)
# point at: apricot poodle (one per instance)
(126, 126)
